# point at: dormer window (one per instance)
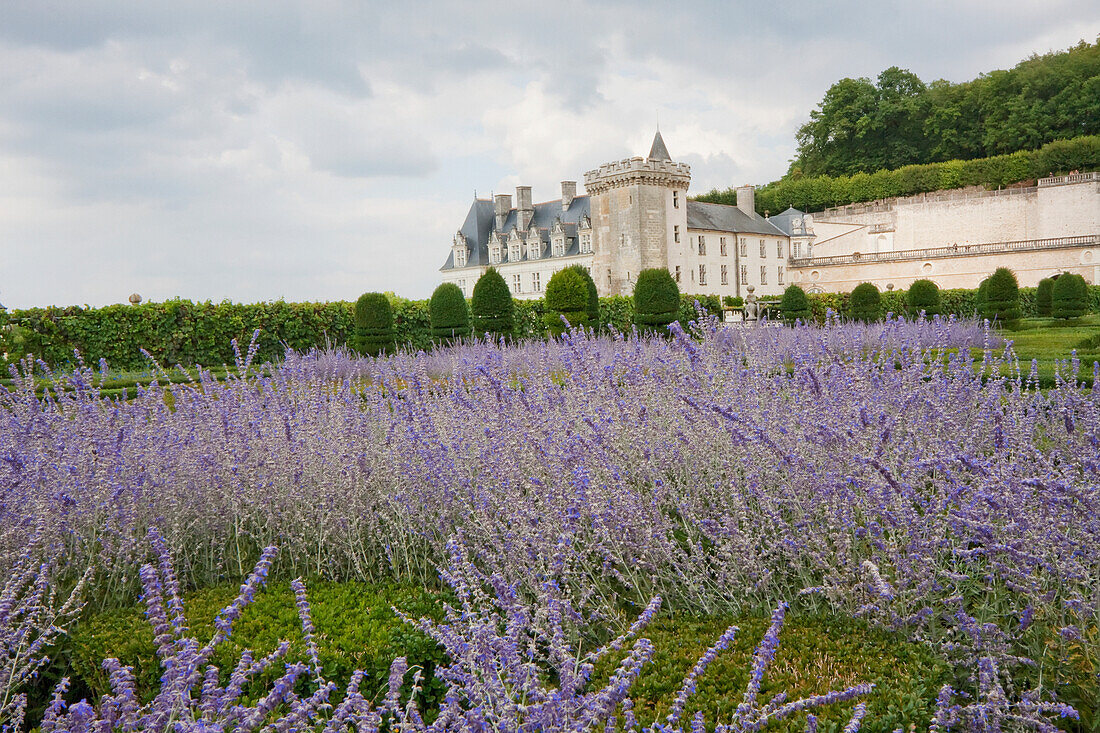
(533, 252)
(495, 255)
(586, 243)
(460, 256)
(514, 253)
(559, 246)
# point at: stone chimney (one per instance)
(568, 193)
(524, 210)
(502, 204)
(746, 199)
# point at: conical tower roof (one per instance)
(658, 151)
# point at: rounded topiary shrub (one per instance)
(865, 303)
(593, 305)
(1044, 295)
(494, 312)
(566, 296)
(1002, 296)
(1070, 296)
(450, 318)
(923, 295)
(373, 334)
(980, 298)
(656, 300)
(795, 305)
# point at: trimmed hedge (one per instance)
(865, 303)
(492, 305)
(593, 304)
(656, 300)
(567, 297)
(1002, 296)
(1044, 295)
(821, 192)
(795, 306)
(374, 334)
(923, 295)
(1069, 297)
(450, 316)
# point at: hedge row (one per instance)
(816, 193)
(182, 332)
(187, 333)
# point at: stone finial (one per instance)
(134, 299)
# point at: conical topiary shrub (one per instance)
(656, 300)
(450, 318)
(865, 303)
(1070, 296)
(593, 305)
(1002, 296)
(795, 305)
(1044, 295)
(923, 295)
(566, 296)
(373, 334)
(981, 296)
(494, 312)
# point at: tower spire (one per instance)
(658, 151)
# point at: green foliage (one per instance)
(567, 297)
(733, 301)
(816, 654)
(815, 193)
(865, 126)
(593, 305)
(795, 306)
(982, 296)
(1002, 296)
(450, 317)
(1044, 297)
(493, 309)
(617, 312)
(923, 295)
(1070, 296)
(356, 629)
(374, 333)
(711, 305)
(865, 303)
(656, 300)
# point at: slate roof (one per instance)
(658, 151)
(481, 220)
(723, 218)
(785, 220)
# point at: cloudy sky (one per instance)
(313, 151)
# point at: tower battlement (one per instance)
(637, 170)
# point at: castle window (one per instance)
(744, 274)
(513, 254)
(586, 243)
(676, 233)
(533, 251)
(725, 276)
(779, 249)
(702, 245)
(677, 273)
(460, 257)
(536, 281)
(609, 277)
(462, 287)
(763, 274)
(744, 247)
(722, 246)
(779, 279)
(797, 250)
(494, 255)
(702, 274)
(763, 248)
(675, 199)
(559, 247)
(517, 284)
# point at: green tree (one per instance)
(923, 295)
(450, 317)
(493, 310)
(373, 334)
(566, 296)
(865, 303)
(1070, 298)
(1044, 297)
(656, 300)
(1002, 296)
(795, 305)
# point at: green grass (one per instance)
(1049, 341)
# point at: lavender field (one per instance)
(882, 471)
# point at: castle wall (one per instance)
(526, 269)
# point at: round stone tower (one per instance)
(639, 211)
